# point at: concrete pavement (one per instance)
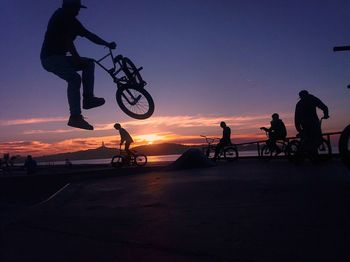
(249, 210)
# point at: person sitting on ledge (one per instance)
(224, 141)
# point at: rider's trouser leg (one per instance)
(65, 68)
(88, 78)
(218, 148)
(127, 150)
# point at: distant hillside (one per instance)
(105, 152)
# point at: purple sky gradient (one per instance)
(200, 58)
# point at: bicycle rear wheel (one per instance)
(230, 153)
(344, 146)
(131, 72)
(136, 102)
(140, 160)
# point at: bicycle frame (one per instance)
(279, 142)
(211, 147)
(113, 72)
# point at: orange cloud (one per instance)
(38, 132)
(31, 121)
(174, 129)
(167, 123)
(197, 121)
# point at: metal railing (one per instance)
(326, 136)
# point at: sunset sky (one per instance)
(205, 61)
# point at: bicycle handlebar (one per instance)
(210, 140)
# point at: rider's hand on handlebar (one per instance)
(112, 45)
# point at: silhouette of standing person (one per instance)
(307, 122)
(277, 131)
(224, 141)
(30, 164)
(62, 30)
(124, 137)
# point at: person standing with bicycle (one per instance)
(307, 122)
(224, 141)
(62, 30)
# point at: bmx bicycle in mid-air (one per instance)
(131, 95)
(125, 159)
(228, 153)
(344, 140)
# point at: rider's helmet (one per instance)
(117, 126)
(303, 94)
(275, 116)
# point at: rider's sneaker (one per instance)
(79, 122)
(92, 102)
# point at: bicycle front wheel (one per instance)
(134, 101)
(266, 152)
(230, 153)
(117, 161)
(344, 146)
(140, 160)
(292, 150)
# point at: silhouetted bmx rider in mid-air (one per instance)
(307, 122)
(62, 30)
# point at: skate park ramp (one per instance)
(192, 158)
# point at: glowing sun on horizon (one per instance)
(150, 138)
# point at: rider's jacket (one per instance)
(62, 30)
(278, 128)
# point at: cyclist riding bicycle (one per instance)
(307, 122)
(277, 131)
(125, 137)
(62, 29)
(224, 141)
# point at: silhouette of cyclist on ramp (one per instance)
(277, 131)
(124, 137)
(62, 30)
(307, 122)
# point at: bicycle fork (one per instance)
(134, 100)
